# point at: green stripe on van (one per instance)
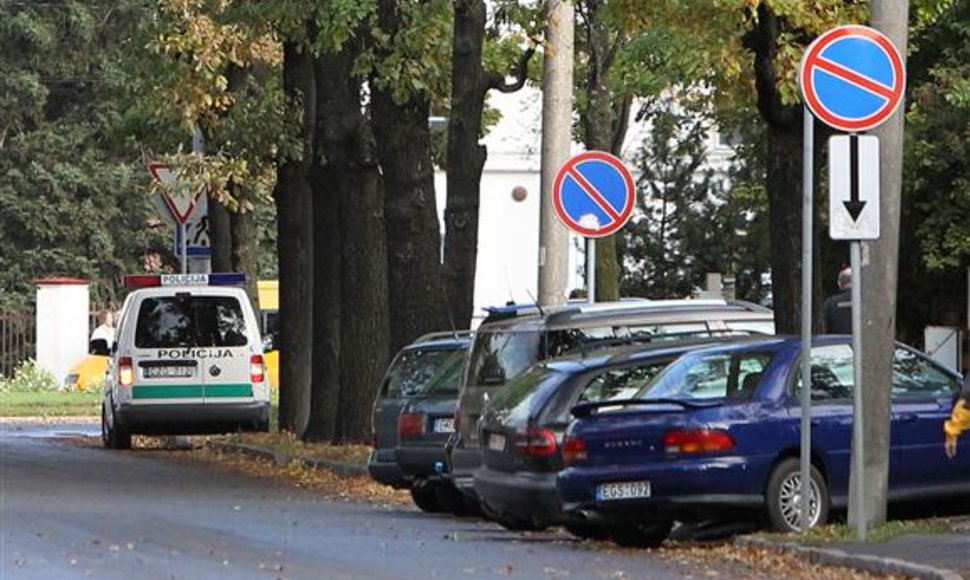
(191, 391)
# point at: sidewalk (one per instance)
(930, 556)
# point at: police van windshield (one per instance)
(190, 321)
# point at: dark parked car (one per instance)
(410, 372)
(717, 434)
(522, 429)
(506, 347)
(424, 426)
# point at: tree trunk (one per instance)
(602, 123)
(295, 247)
(783, 180)
(220, 236)
(466, 158)
(403, 138)
(365, 333)
(245, 242)
(879, 278)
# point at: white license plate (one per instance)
(496, 441)
(180, 372)
(446, 425)
(623, 490)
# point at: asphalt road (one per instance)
(69, 511)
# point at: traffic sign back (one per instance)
(852, 78)
(594, 194)
(179, 200)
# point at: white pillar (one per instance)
(63, 305)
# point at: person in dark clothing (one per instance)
(838, 308)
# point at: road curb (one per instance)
(338, 468)
(865, 563)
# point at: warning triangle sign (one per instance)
(176, 194)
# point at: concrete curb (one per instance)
(338, 468)
(865, 563)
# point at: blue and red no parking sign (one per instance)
(594, 194)
(852, 78)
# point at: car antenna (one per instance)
(451, 321)
(539, 306)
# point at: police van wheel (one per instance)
(112, 435)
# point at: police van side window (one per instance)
(190, 321)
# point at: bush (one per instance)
(29, 377)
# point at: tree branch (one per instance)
(497, 81)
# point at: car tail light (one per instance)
(410, 425)
(536, 443)
(126, 371)
(257, 368)
(697, 441)
(573, 450)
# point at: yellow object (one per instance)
(272, 360)
(959, 420)
(87, 374)
(269, 294)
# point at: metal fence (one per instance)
(18, 338)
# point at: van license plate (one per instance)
(446, 425)
(166, 372)
(496, 442)
(623, 490)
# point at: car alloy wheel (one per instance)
(785, 495)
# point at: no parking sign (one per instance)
(594, 194)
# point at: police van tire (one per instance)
(112, 434)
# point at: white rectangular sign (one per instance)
(854, 187)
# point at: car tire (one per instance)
(113, 435)
(453, 501)
(587, 531)
(426, 498)
(782, 497)
(640, 535)
(519, 524)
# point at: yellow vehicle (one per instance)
(269, 306)
(86, 374)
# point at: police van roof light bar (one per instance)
(161, 280)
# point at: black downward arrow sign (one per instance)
(854, 206)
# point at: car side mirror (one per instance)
(269, 342)
(99, 346)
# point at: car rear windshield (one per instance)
(714, 375)
(448, 379)
(499, 356)
(525, 394)
(190, 321)
(414, 369)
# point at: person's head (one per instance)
(107, 318)
(845, 278)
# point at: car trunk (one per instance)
(629, 437)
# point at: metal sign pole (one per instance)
(591, 270)
(808, 143)
(185, 256)
(858, 433)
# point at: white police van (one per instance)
(188, 359)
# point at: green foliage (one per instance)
(691, 220)
(938, 140)
(29, 377)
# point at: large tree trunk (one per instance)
(466, 158)
(604, 128)
(417, 303)
(365, 333)
(220, 236)
(783, 181)
(245, 246)
(295, 247)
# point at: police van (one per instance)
(188, 359)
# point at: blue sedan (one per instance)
(718, 432)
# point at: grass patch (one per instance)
(50, 404)
(842, 533)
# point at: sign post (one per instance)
(594, 196)
(852, 78)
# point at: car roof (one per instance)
(628, 312)
(442, 340)
(163, 291)
(629, 354)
